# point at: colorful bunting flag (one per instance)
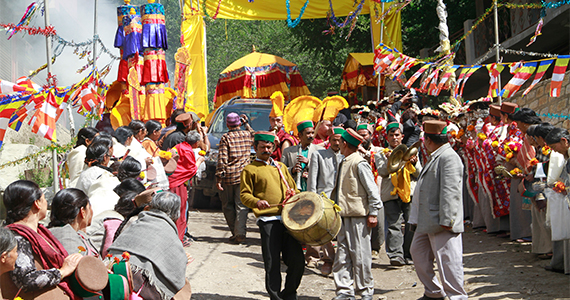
(417, 75)
(544, 65)
(45, 117)
(410, 62)
(466, 77)
(433, 84)
(460, 80)
(521, 76)
(381, 64)
(7, 87)
(494, 72)
(444, 80)
(427, 80)
(558, 75)
(398, 61)
(7, 108)
(33, 103)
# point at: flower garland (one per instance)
(25, 159)
(217, 10)
(293, 23)
(45, 31)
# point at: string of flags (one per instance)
(44, 106)
(393, 63)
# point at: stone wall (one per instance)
(539, 100)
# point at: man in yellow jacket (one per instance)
(265, 184)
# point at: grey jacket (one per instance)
(289, 158)
(440, 192)
(322, 173)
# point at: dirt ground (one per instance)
(495, 268)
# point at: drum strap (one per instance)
(288, 193)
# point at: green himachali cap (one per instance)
(338, 130)
(393, 125)
(304, 124)
(351, 137)
(265, 136)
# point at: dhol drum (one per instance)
(89, 278)
(311, 218)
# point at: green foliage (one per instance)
(41, 175)
(420, 22)
(320, 57)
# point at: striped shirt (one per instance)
(234, 154)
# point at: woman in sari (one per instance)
(43, 263)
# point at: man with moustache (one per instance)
(324, 164)
(396, 207)
(296, 158)
(266, 183)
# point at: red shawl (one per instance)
(51, 255)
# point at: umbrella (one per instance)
(259, 75)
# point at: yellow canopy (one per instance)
(358, 71)
(257, 59)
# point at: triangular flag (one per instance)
(558, 75)
(522, 75)
(544, 65)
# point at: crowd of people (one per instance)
(405, 177)
(125, 204)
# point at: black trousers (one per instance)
(276, 241)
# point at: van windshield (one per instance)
(258, 119)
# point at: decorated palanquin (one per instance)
(139, 89)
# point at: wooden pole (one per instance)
(48, 54)
(497, 50)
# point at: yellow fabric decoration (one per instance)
(278, 104)
(401, 181)
(300, 109)
(329, 108)
(194, 37)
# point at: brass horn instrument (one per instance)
(400, 155)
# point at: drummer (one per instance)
(266, 183)
(357, 195)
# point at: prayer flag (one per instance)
(417, 75)
(7, 108)
(522, 75)
(433, 84)
(410, 62)
(544, 65)
(444, 79)
(494, 72)
(426, 81)
(380, 64)
(467, 75)
(558, 75)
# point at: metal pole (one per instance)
(373, 47)
(48, 54)
(95, 41)
(498, 53)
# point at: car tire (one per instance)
(200, 200)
